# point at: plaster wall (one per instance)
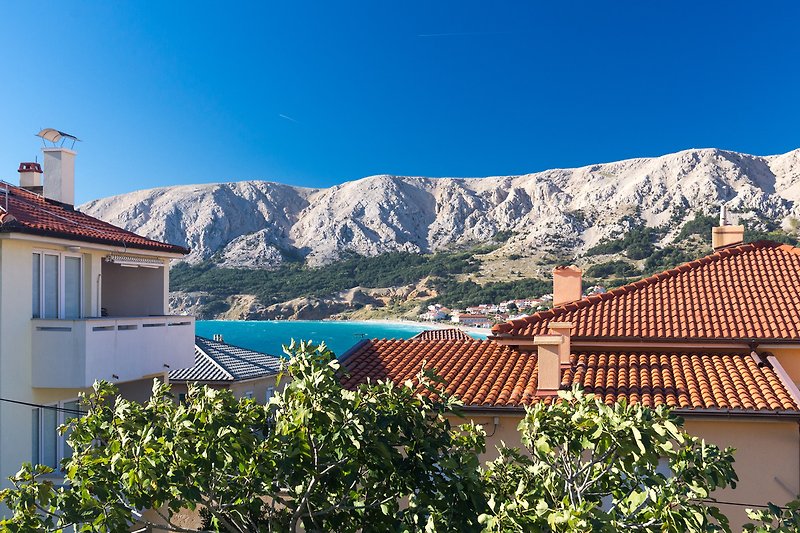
(789, 358)
(767, 456)
(257, 386)
(16, 329)
(767, 461)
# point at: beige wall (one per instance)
(257, 386)
(767, 460)
(767, 455)
(789, 358)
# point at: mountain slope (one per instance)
(259, 224)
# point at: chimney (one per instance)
(30, 177)
(553, 353)
(566, 285)
(726, 235)
(59, 174)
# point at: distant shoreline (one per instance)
(483, 332)
(426, 325)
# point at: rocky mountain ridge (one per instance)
(260, 224)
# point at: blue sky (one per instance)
(316, 93)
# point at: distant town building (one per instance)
(472, 319)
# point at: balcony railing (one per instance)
(75, 353)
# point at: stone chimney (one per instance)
(726, 235)
(30, 177)
(59, 174)
(566, 285)
(553, 353)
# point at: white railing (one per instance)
(75, 353)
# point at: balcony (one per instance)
(75, 353)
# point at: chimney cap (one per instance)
(55, 136)
(30, 167)
(561, 268)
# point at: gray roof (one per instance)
(219, 361)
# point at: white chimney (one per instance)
(59, 175)
(30, 177)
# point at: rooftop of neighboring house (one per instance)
(218, 361)
(484, 373)
(441, 334)
(741, 295)
(23, 211)
(743, 292)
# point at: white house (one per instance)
(80, 300)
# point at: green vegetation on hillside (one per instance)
(295, 280)
(637, 255)
(701, 225)
(618, 268)
(637, 243)
(454, 293)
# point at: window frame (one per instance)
(62, 417)
(62, 296)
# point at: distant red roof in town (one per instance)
(31, 213)
(483, 373)
(749, 291)
(441, 334)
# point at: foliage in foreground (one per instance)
(382, 458)
(317, 457)
(595, 467)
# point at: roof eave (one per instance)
(165, 248)
(681, 411)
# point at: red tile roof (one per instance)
(750, 291)
(486, 374)
(441, 334)
(31, 213)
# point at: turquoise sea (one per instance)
(268, 335)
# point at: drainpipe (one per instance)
(99, 311)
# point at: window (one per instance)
(47, 446)
(248, 395)
(57, 287)
(270, 393)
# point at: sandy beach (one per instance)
(428, 325)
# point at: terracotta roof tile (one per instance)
(751, 291)
(485, 373)
(441, 334)
(31, 213)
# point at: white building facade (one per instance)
(80, 300)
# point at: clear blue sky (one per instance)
(318, 93)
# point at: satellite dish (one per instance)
(55, 137)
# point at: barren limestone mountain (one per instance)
(258, 224)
